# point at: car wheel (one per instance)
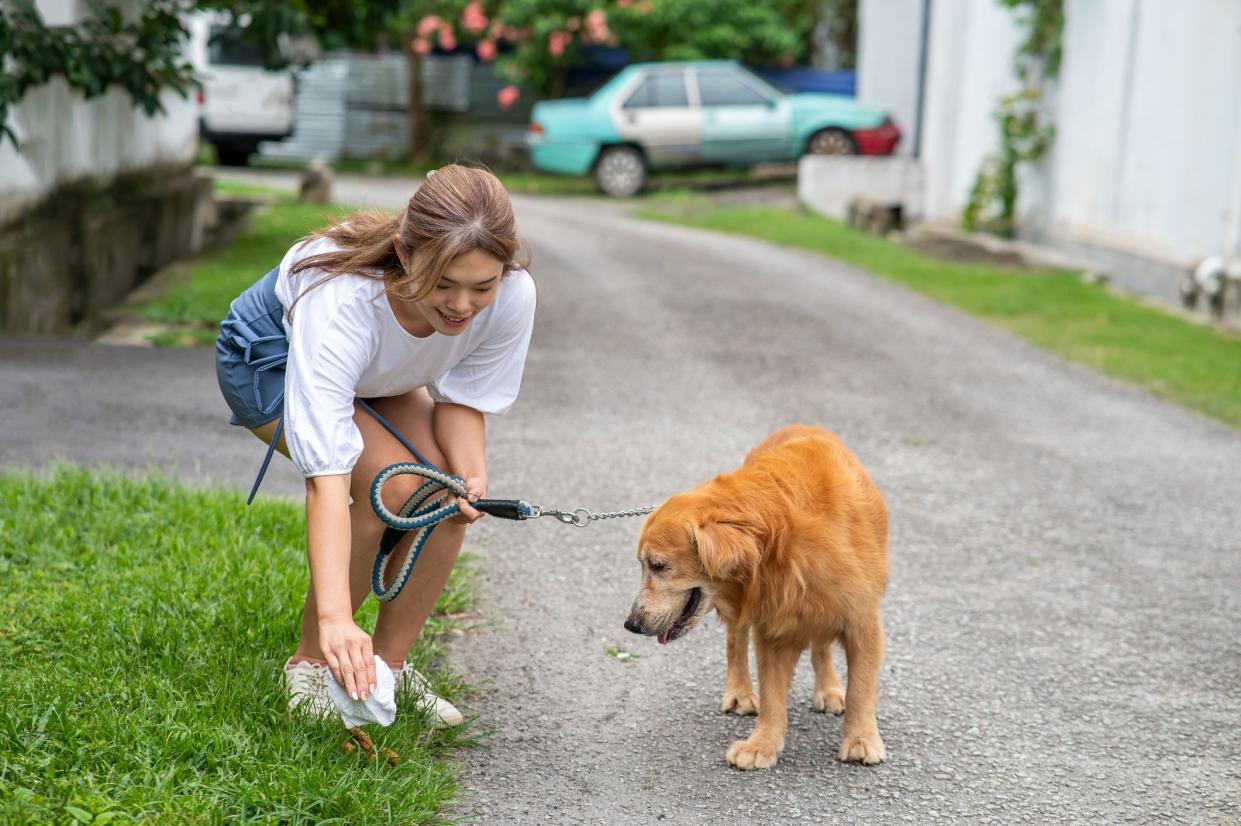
(620, 171)
(831, 142)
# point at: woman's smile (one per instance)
(453, 321)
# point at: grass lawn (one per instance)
(142, 632)
(1194, 365)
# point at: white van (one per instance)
(240, 103)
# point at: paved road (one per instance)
(1062, 618)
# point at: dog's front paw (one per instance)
(752, 754)
(740, 701)
(830, 700)
(863, 748)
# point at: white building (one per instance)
(1144, 175)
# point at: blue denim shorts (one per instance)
(250, 354)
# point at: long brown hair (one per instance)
(456, 210)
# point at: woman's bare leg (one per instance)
(400, 621)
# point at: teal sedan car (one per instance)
(697, 113)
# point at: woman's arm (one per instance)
(461, 434)
(346, 647)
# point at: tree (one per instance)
(533, 41)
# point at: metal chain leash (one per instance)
(581, 517)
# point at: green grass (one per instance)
(192, 307)
(142, 631)
(1192, 364)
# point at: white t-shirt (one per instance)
(345, 342)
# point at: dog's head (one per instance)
(687, 548)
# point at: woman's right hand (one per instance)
(347, 649)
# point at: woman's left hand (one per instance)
(476, 488)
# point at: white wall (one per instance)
(969, 60)
(66, 138)
(1149, 121)
(1147, 110)
(888, 52)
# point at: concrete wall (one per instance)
(1144, 175)
(97, 198)
(969, 60)
(66, 140)
(888, 53)
(1149, 125)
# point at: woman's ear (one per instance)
(725, 548)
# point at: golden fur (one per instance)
(790, 548)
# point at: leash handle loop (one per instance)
(416, 515)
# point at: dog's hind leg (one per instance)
(739, 696)
(829, 693)
(864, 653)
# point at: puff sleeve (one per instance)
(329, 348)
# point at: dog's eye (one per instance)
(657, 565)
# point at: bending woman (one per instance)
(427, 317)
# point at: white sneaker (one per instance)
(306, 685)
(436, 708)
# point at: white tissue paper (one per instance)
(379, 705)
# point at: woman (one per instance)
(427, 316)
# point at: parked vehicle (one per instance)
(695, 113)
(241, 102)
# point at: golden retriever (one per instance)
(790, 548)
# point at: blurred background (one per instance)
(1104, 137)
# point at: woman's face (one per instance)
(466, 288)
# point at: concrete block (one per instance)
(827, 183)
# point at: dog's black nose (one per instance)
(633, 625)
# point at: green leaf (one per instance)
(80, 815)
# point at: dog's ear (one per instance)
(725, 548)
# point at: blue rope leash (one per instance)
(418, 515)
(421, 517)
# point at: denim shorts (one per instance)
(250, 355)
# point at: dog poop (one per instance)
(364, 742)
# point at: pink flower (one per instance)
(448, 40)
(472, 17)
(624, 4)
(421, 46)
(645, 7)
(507, 96)
(496, 31)
(427, 25)
(556, 42)
(486, 50)
(597, 27)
